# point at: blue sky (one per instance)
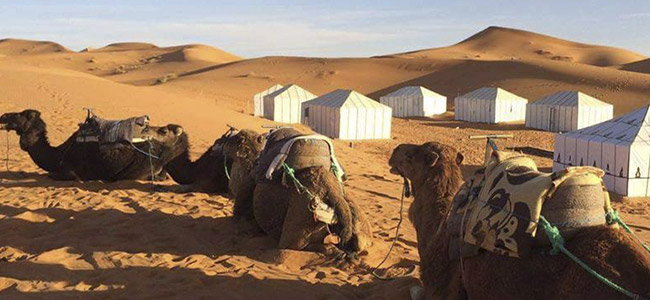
(320, 28)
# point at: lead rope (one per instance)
(225, 166)
(406, 191)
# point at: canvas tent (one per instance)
(490, 105)
(567, 111)
(258, 99)
(621, 147)
(283, 105)
(348, 115)
(415, 101)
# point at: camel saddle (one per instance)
(98, 130)
(298, 151)
(499, 208)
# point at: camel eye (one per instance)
(164, 131)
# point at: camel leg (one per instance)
(300, 229)
(243, 208)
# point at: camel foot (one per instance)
(416, 292)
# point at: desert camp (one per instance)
(339, 150)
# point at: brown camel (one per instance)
(206, 174)
(283, 213)
(434, 171)
(89, 161)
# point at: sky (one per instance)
(329, 28)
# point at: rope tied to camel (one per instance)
(406, 192)
(614, 218)
(557, 243)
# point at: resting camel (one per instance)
(283, 213)
(434, 172)
(89, 161)
(206, 174)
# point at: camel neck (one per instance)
(181, 168)
(43, 154)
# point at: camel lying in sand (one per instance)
(207, 173)
(435, 174)
(89, 161)
(283, 213)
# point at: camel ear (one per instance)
(459, 158)
(431, 158)
(33, 114)
(178, 130)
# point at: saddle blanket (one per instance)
(96, 129)
(503, 206)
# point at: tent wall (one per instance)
(283, 108)
(415, 105)
(489, 111)
(364, 124)
(564, 118)
(258, 100)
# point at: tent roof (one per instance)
(292, 91)
(631, 127)
(347, 99)
(491, 94)
(413, 91)
(570, 98)
(269, 90)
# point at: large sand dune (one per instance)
(63, 240)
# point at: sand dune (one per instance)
(125, 240)
(27, 47)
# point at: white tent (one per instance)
(258, 100)
(620, 146)
(567, 111)
(283, 105)
(415, 101)
(348, 115)
(490, 105)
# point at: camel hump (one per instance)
(96, 129)
(298, 151)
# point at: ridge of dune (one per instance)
(10, 47)
(507, 43)
(126, 46)
(642, 66)
(199, 52)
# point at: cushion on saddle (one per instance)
(499, 208)
(96, 129)
(298, 151)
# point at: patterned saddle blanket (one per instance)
(98, 130)
(498, 210)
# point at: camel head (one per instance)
(417, 162)
(27, 124)
(244, 145)
(171, 137)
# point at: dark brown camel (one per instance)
(283, 213)
(434, 171)
(206, 174)
(90, 161)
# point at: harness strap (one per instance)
(557, 241)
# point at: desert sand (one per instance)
(72, 240)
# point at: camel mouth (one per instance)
(395, 171)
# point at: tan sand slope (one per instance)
(27, 47)
(124, 240)
(507, 43)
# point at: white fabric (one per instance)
(284, 105)
(490, 105)
(621, 147)
(348, 115)
(258, 99)
(567, 111)
(415, 101)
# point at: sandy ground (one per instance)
(70, 240)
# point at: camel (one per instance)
(283, 213)
(435, 174)
(207, 173)
(90, 161)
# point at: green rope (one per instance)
(291, 173)
(557, 241)
(613, 217)
(225, 166)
